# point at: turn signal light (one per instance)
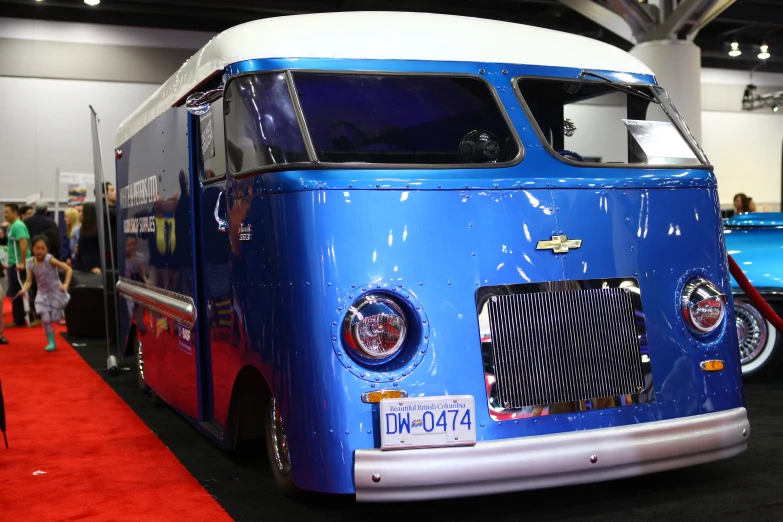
(712, 366)
(377, 396)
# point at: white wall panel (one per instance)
(101, 34)
(46, 124)
(745, 149)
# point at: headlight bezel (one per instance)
(414, 349)
(696, 294)
(356, 323)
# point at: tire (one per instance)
(277, 450)
(156, 400)
(761, 346)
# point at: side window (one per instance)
(212, 143)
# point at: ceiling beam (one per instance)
(602, 16)
(640, 20)
(711, 11)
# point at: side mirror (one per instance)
(199, 103)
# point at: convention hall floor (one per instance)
(747, 487)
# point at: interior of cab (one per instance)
(603, 122)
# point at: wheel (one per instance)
(759, 343)
(157, 401)
(140, 366)
(277, 450)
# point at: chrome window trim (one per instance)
(545, 144)
(380, 166)
(180, 308)
(499, 413)
(308, 141)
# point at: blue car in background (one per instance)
(756, 243)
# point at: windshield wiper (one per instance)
(619, 86)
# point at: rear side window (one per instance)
(593, 121)
(403, 119)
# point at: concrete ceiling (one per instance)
(750, 22)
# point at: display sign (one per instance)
(185, 339)
(207, 136)
(32, 198)
(423, 422)
(77, 186)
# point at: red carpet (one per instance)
(101, 462)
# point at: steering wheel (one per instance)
(570, 153)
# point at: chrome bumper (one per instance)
(549, 460)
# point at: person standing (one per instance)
(71, 237)
(25, 211)
(18, 252)
(40, 223)
(88, 251)
(110, 225)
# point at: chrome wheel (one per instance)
(140, 366)
(278, 439)
(751, 332)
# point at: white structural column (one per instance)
(677, 68)
(662, 32)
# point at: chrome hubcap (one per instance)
(279, 440)
(751, 331)
(140, 360)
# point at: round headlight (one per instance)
(375, 327)
(703, 306)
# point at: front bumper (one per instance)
(549, 460)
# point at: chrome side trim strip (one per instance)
(178, 307)
(547, 461)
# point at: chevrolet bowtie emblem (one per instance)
(559, 244)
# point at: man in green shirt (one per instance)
(18, 252)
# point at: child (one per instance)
(52, 295)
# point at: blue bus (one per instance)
(421, 256)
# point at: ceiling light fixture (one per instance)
(735, 51)
(92, 2)
(763, 55)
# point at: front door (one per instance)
(214, 279)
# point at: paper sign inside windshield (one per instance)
(659, 139)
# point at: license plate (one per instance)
(425, 422)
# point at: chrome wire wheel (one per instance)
(751, 332)
(140, 366)
(278, 439)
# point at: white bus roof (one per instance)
(381, 36)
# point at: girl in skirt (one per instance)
(52, 294)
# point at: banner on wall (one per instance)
(77, 186)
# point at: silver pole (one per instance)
(57, 196)
(111, 359)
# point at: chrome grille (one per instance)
(564, 346)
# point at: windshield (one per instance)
(609, 123)
(409, 119)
